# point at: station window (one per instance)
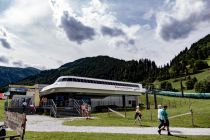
(65, 79)
(97, 82)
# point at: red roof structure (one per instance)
(1, 95)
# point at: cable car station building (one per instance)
(95, 92)
(67, 94)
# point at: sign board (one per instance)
(18, 89)
(16, 121)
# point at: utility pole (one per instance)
(124, 104)
(155, 99)
(182, 88)
(147, 100)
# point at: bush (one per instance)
(166, 85)
(190, 83)
(199, 65)
(203, 86)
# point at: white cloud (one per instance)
(98, 14)
(38, 37)
(4, 38)
(24, 12)
(94, 16)
(182, 19)
(148, 14)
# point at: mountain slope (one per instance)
(13, 74)
(188, 62)
(103, 67)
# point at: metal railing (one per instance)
(77, 106)
(53, 108)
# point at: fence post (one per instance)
(125, 112)
(147, 100)
(169, 103)
(192, 117)
(151, 115)
(182, 88)
(155, 100)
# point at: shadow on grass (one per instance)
(196, 126)
(178, 136)
(140, 125)
(143, 125)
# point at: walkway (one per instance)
(48, 124)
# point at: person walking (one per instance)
(83, 108)
(138, 115)
(164, 117)
(160, 109)
(88, 111)
(24, 105)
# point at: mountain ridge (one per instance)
(13, 74)
(187, 62)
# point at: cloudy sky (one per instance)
(48, 33)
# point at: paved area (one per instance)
(48, 124)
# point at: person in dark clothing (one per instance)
(24, 105)
(138, 115)
(164, 117)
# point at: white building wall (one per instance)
(114, 100)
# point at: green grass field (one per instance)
(201, 109)
(99, 136)
(2, 116)
(177, 106)
(176, 82)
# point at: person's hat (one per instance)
(159, 106)
(137, 106)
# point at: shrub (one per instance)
(190, 83)
(166, 85)
(203, 86)
(199, 65)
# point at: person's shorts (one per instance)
(161, 121)
(136, 115)
(166, 123)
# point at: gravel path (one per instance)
(48, 124)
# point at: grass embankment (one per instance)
(99, 136)
(176, 82)
(2, 115)
(201, 109)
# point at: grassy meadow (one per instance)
(176, 82)
(203, 74)
(2, 116)
(103, 136)
(201, 109)
(176, 106)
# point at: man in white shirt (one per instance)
(160, 118)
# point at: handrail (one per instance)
(77, 106)
(118, 113)
(53, 108)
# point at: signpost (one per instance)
(17, 122)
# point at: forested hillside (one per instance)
(187, 61)
(103, 67)
(181, 68)
(11, 74)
